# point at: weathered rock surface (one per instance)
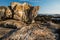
(5, 12)
(30, 32)
(17, 23)
(24, 12)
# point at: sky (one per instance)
(46, 6)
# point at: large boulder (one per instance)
(5, 12)
(24, 12)
(32, 14)
(13, 4)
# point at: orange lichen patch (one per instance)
(8, 13)
(19, 7)
(26, 6)
(13, 4)
(18, 12)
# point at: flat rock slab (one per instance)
(4, 31)
(33, 31)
